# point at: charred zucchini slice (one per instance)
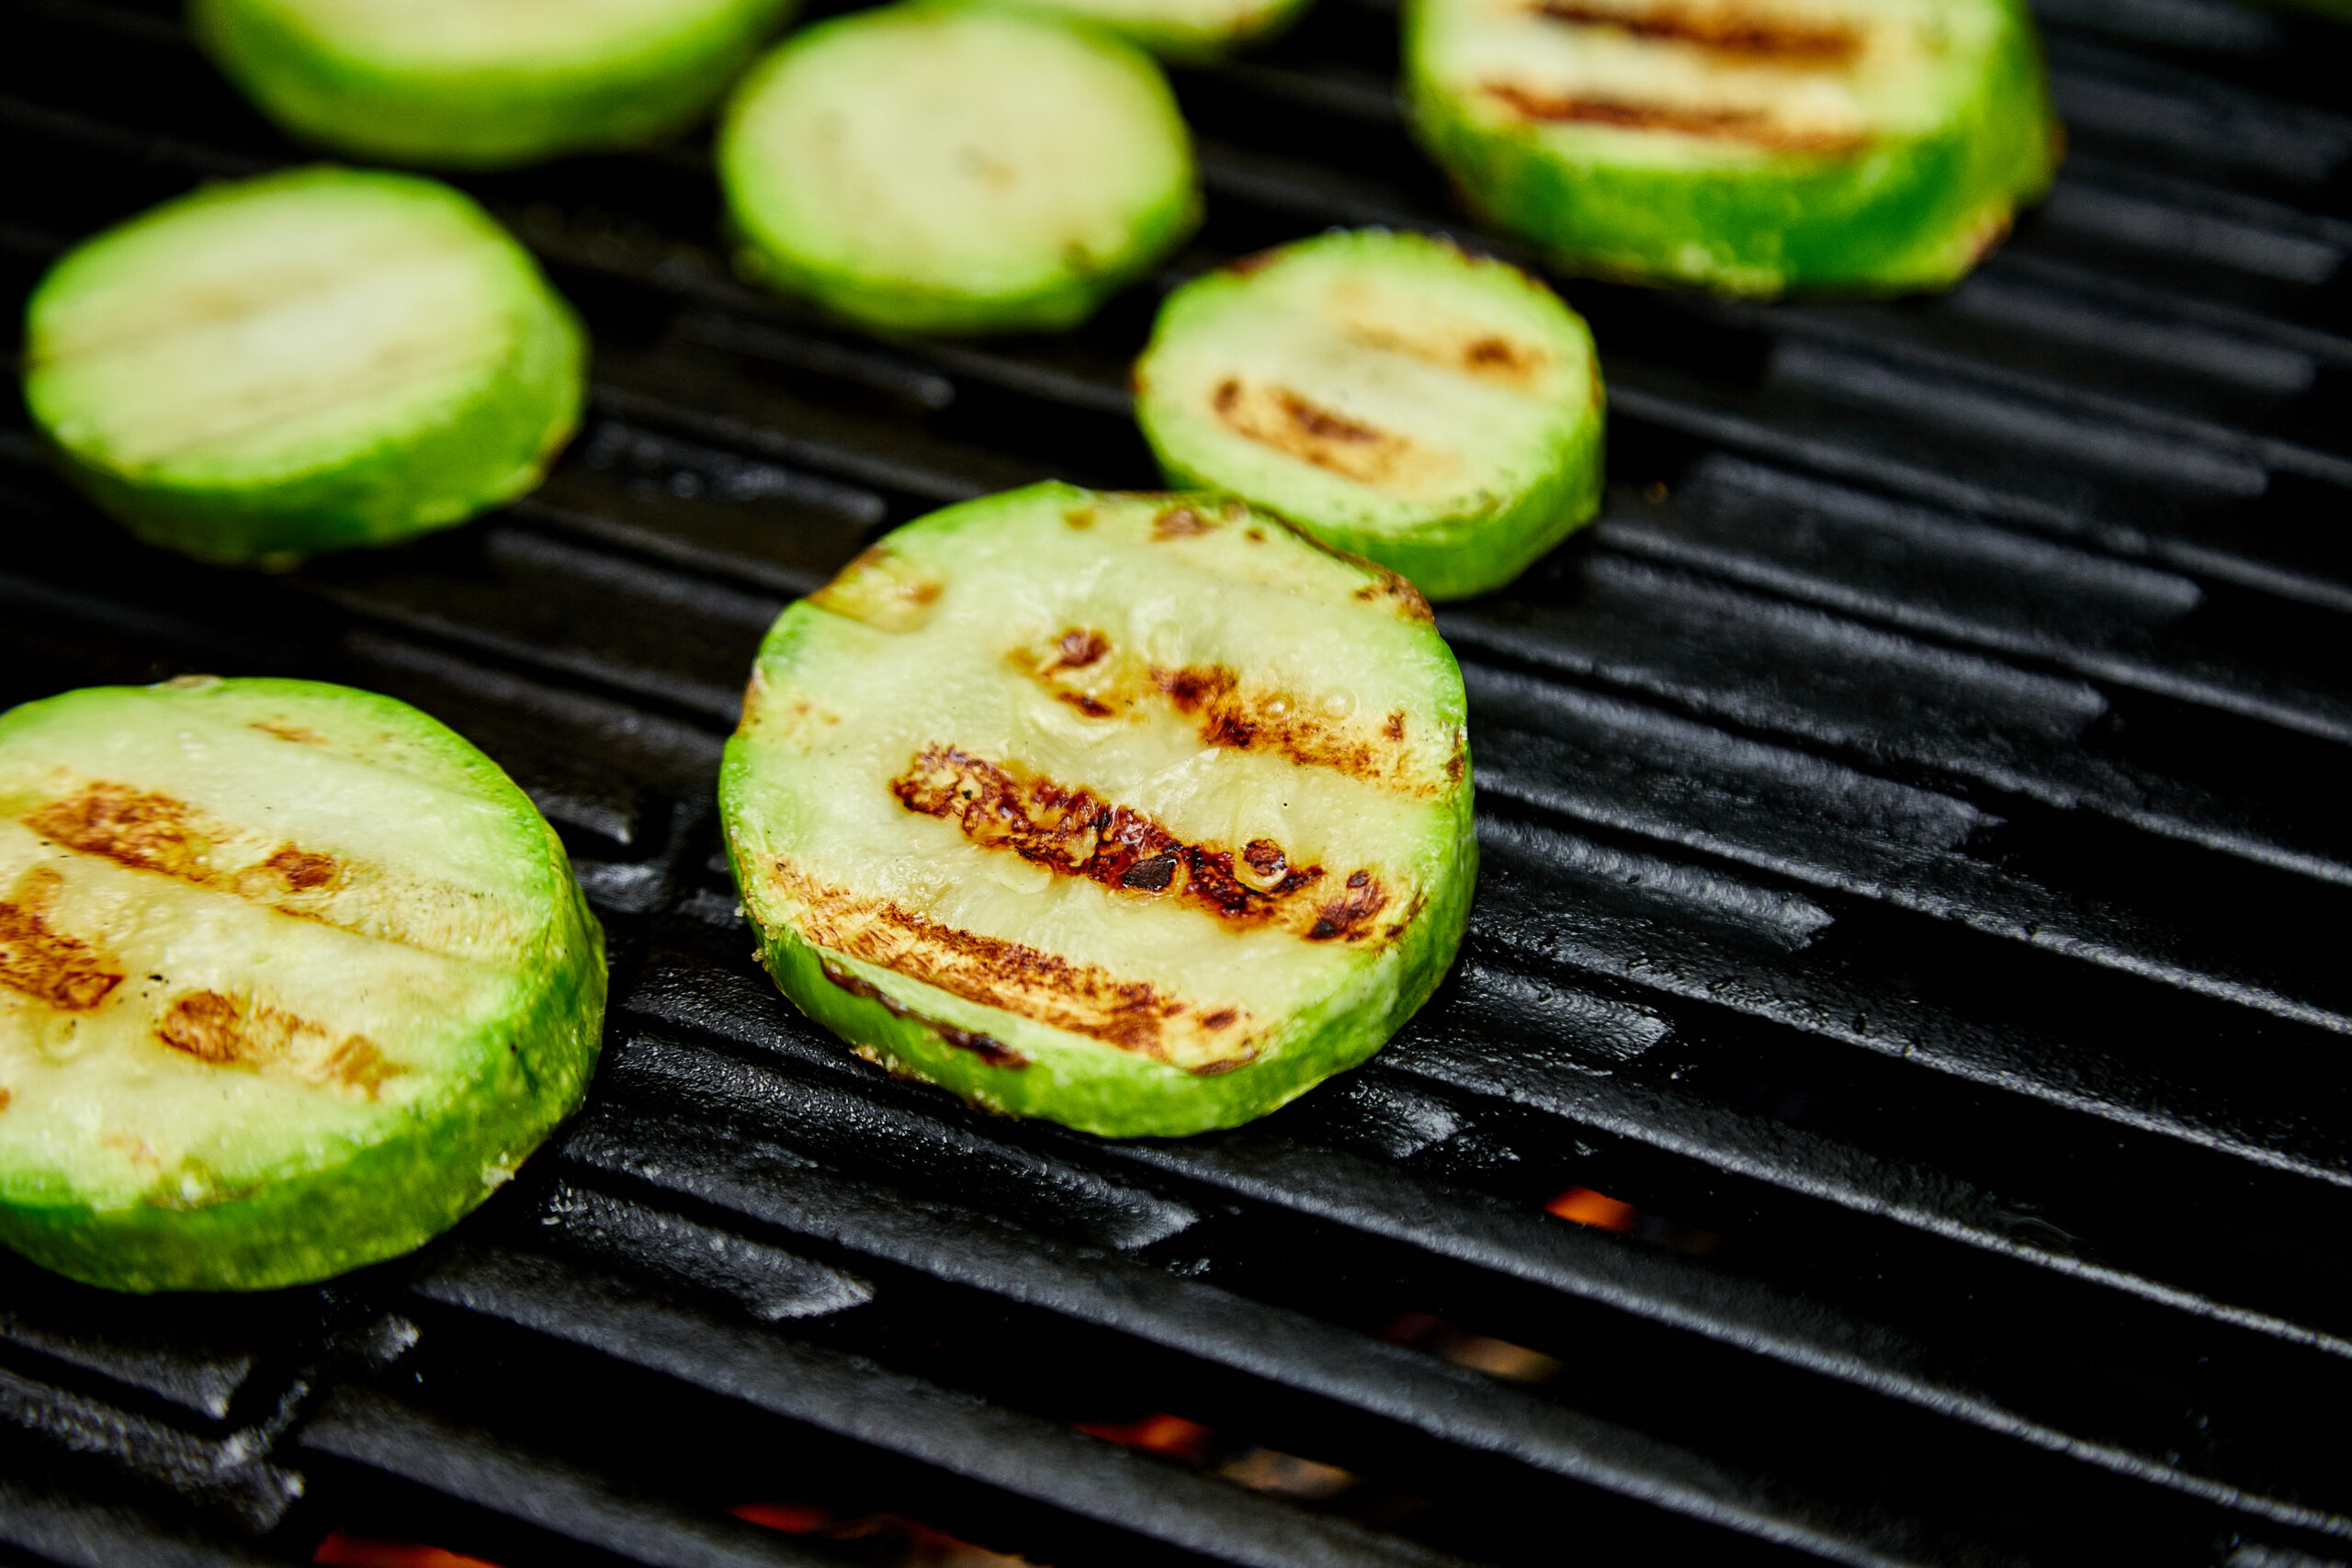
(482, 84)
(1189, 31)
(1439, 414)
(290, 978)
(1748, 146)
(302, 362)
(1142, 813)
(950, 169)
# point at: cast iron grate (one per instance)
(1906, 967)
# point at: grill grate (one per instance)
(1908, 945)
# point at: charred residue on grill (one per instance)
(988, 1048)
(1073, 832)
(61, 971)
(1752, 36)
(1750, 127)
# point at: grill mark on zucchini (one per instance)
(144, 830)
(36, 959)
(1074, 832)
(1297, 427)
(1486, 357)
(1062, 993)
(1718, 29)
(1754, 127)
(988, 1048)
(883, 590)
(227, 1032)
(1082, 669)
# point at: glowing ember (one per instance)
(1161, 1433)
(1598, 1210)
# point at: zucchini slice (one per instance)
(482, 84)
(1141, 813)
(953, 168)
(1748, 146)
(291, 977)
(1187, 30)
(1437, 412)
(270, 369)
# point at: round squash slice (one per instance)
(290, 978)
(1436, 413)
(482, 84)
(1142, 813)
(263, 370)
(1748, 146)
(955, 168)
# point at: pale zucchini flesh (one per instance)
(270, 369)
(1141, 813)
(1747, 146)
(482, 84)
(1439, 414)
(950, 169)
(290, 978)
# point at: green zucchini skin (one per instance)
(486, 437)
(1185, 32)
(849, 230)
(340, 77)
(1906, 213)
(366, 1182)
(1479, 533)
(894, 1013)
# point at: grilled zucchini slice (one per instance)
(290, 978)
(298, 363)
(1439, 414)
(482, 84)
(1141, 813)
(952, 168)
(1190, 30)
(1748, 146)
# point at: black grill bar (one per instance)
(1914, 873)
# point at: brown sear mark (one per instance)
(1180, 523)
(1487, 358)
(226, 1031)
(1082, 668)
(1076, 648)
(302, 870)
(1719, 30)
(883, 590)
(64, 972)
(1753, 127)
(131, 828)
(286, 730)
(1074, 832)
(1297, 427)
(1345, 918)
(144, 831)
(1083, 998)
(989, 1049)
(6, 1096)
(1255, 262)
(1395, 728)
